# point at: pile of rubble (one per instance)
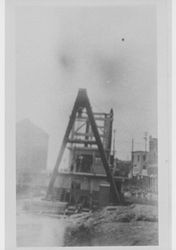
(114, 225)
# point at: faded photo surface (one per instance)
(86, 125)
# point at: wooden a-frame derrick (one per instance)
(82, 101)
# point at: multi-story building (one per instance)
(153, 157)
(140, 163)
(31, 152)
(145, 164)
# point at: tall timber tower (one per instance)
(88, 178)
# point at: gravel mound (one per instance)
(88, 228)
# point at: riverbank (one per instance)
(114, 226)
(110, 226)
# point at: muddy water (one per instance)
(39, 230)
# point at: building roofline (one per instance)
(140, 151)
(31, 123)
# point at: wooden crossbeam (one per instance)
(81, 102)
(85, 134)
(81, 141)
(83, 118)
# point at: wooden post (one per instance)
(81, 102)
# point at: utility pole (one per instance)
(114, 134)
(132, 149)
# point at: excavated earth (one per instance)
(111, 226)
(114, 226)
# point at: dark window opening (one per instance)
(84, 163)
(75, 185)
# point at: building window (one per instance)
(75, 185)
(138, 157)
(84, 163)
(144, 157)
(144, 167)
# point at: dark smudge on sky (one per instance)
(67, 62)
(106, 68)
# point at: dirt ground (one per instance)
(113, 226)
(113, 234)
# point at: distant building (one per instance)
(31, 146)
(153, 157)
(140, 163)
(145, 163)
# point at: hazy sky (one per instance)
(111, 51)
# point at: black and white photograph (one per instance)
(86, 122)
